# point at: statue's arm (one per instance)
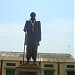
(25, 27)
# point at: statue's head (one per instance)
(33, 15)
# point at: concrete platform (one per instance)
(29, 69)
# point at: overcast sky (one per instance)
(57, 24)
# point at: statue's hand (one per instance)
(24, 30)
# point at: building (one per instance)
(49, 64)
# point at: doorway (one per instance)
(48, 72)
(8, 72)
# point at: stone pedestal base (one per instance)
(29, 69)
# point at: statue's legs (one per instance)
(28, 53)
(31, 51)
(34, 52)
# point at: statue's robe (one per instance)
(32, 39)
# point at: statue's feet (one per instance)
(27, 63)
(34, 63)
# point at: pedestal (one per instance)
(29, 69)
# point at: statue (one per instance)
(32, 29)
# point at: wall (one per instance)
(55, 67)
(62, 67)
(4, 65)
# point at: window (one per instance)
(48, 65)
(70, 66)
(70, 73)
(10, 64)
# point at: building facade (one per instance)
(49, 64)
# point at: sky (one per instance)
(57, 24)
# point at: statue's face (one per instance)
(32, 15)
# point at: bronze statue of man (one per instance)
(33, 30)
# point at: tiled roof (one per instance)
(52, 57)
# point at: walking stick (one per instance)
(24, 50)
